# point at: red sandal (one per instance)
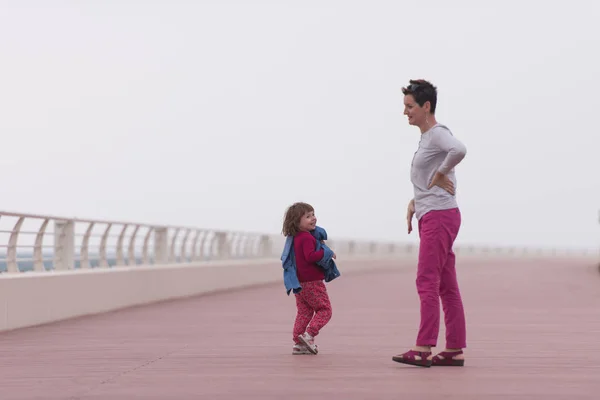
(447, 360)
(409, 358)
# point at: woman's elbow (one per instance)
(461, 152)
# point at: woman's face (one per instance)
(415, 113)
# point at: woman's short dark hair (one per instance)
(423, 91)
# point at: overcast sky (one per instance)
(222, 113)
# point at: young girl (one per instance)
(312, 301)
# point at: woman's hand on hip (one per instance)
(442, 181)
(410, 212)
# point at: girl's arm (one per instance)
(308, 249)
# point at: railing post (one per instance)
(351, 247)
(222, 246)
(266, 246)
(64, 245)
(161, 246)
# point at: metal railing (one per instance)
(30, 242)
(42, 242)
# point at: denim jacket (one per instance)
(288, 261)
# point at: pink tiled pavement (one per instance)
(533, 333)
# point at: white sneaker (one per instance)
(300, 349)
(309, 342)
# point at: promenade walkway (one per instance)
(533, 333)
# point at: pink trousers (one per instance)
(313, 309)
(436, 278)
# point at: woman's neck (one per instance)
(429, 123)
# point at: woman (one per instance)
(438, 216)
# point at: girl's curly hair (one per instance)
(291, 220)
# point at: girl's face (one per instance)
(308, 221)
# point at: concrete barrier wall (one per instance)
(34, 298)
(61, 284)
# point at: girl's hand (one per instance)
(442, 181)
(333, 256)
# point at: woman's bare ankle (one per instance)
(422, 348)
(456, 357)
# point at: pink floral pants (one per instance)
(313, 309)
